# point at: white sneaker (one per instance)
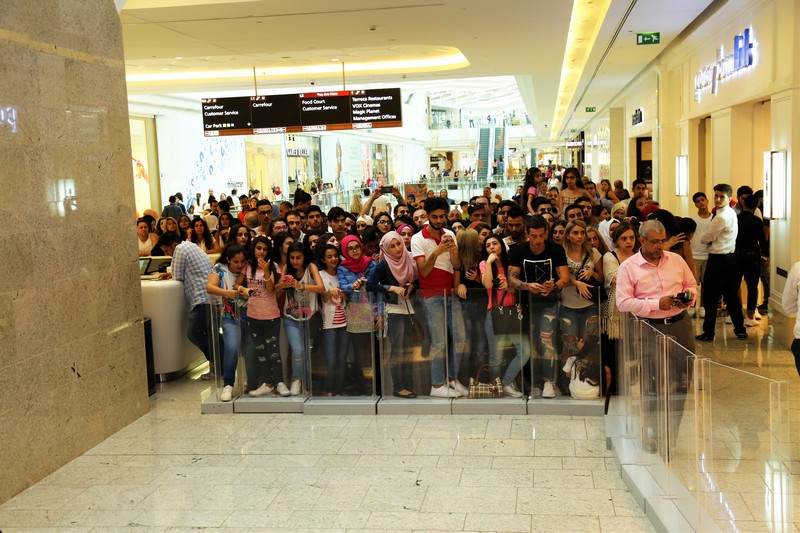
(263, 390)
(749, 322)
(568, 365)
(457, 386)
(511, 391)
(549, 390)
(702, 312)
(728, 320)
(283, 390)
(444, 392)
(227, 393)
(296, 387)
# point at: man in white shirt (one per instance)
(700, 250)
(791, 302)
(722, 270)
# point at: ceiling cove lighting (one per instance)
(584, 25)
(453, 61)
(682, 175)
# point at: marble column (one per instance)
(72, 365)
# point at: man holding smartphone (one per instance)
(436, 253)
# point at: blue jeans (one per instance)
(577, 325)
(543, 319)
(336, 344)
(230, 350)
(496, 345)
(437, 309)
(198, 329)
(295, 331)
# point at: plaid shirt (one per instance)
(191, 265)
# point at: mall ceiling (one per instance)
(456, 49)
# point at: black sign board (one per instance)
(279, 113)
(288, 113)
(227, 116)
(376, 108)
(325, 111)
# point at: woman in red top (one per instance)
(493, 275)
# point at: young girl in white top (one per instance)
(334, 321)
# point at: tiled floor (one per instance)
(174, 469)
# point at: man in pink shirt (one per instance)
(657, 286)
(649, 282)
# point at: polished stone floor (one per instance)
(175, 469)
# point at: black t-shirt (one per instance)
(538, 268)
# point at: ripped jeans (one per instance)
(262, 356)
(578, 325)
(543, 320)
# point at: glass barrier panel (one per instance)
(489, 340)
(343, 346)
(224, 343)
(652, 391)
(403, 346)
(261, 352)
(565, 345)
(743, 477)
(417, 356)
(301, 319)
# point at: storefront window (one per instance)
(141, 157)
(264, 163)
(303, 162)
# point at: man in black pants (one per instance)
(722, 275)
(751, 246)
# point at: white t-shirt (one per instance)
(699, 250)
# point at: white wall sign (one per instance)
(726, 66)
(297, 152)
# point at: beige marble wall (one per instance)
(72, 367)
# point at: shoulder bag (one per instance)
(505, 320)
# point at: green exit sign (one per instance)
(653, 37)
(591, 109)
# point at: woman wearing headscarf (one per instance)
(605, 228)
(353, 272)
(394, 280)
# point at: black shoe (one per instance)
(763, 308)
(705, 337)
(741, 335)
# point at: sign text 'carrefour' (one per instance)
(726, 66)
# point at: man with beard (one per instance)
(514, 227)
(435, 251)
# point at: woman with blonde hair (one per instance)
(472, 299)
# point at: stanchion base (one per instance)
(489, 406)
(418, 406)
(291, 404)
(317, 405)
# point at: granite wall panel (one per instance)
(72, 365)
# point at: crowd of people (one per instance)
(519, 291)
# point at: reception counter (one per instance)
(164, 304)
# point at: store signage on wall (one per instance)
(651, 37)
(297, 152)
(574, 144)
(726, 66)
(8, 117)
(638, 117)
(289, 113)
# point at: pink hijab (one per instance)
(404, 268)
(355, 265)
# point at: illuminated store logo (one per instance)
(727, 65)
(8, 117)
(637, 117)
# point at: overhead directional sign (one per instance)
(591, 109)
(653, 37)
(290, 113)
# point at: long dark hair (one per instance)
(503, 254)
(278, 240)
(322, 251)
(208, 240)
(296, 247)
(578, 180)
(530, 181)
(234, 230)
(251, 256)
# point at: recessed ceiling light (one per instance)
(335, 59)
(178, 57)
(165, 68)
